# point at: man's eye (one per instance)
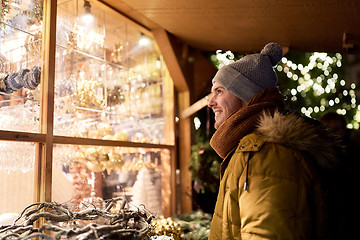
(218, 91)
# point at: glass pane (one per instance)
(109, 77)
(20, 64)
(86, 174)
(16, 176)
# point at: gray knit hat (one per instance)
(248, 76)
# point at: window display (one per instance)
(113, 114)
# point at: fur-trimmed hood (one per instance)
(303, 134)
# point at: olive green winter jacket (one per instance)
(270, 186)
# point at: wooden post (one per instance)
(43, 159)
(185, 153)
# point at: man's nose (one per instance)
(211, 102)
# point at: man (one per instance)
(273, 162)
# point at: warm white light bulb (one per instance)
(87, 18)
(143, 41)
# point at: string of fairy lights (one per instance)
(313, 83)
(326, 86)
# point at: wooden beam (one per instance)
(167, 51)
(22, 136)
(130, 13)
(195, 107)
(43, 158)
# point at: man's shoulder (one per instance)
(251, 140)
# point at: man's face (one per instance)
(223, 103)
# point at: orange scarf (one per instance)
(245, 120)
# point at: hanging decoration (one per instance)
(28, 78)
(117, 53)
(33, 44)
(89, 94)
(5, 8)
(115, 96)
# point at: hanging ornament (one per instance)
(88, 94)
(33, 45)
(115, 96)
(5, 9)
(28, 78)
(115, 163)
(116, 55)
(37, 12)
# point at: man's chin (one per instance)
(217, 125)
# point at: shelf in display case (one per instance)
(110, 143)
(88, 55)
(40, 138)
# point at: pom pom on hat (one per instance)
(251, 74)
(273, 51)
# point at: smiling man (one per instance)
(270, 185)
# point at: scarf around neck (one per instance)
(245, 120)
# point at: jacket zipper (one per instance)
(247, 173)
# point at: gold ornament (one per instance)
(115, 163)
(87, 94)
(121, 136)
(95, 166)
(167, 227)
(104, 129)
(33, 45)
